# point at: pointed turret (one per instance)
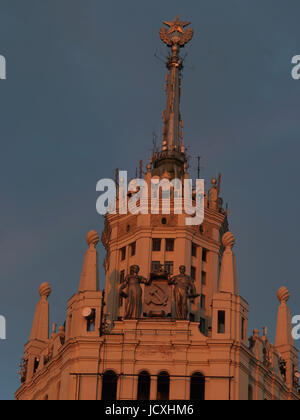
(228, 275)
(284, 341)
(89, 276)
(40, 326)
(85, 307)
(284, 320)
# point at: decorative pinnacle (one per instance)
(176, 35)
(283, 295)
(92, 238)
(45, 290)
(228, 240)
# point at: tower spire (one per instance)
(175, 38)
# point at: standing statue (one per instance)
(184, 289)
(131, 290)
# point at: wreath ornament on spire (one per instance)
(176, 35)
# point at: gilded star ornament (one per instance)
(176, 25)
(176, 35)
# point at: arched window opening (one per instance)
(144, 384)
(250, 393)
(163, 386)
(197, 387)
(109, 386)
(58, 391)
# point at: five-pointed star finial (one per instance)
(177, 25)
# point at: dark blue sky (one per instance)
(84, 94)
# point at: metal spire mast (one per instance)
(175, 37)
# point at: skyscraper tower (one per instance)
(171, 323)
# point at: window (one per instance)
(144, 383)
(221, 322)
(203, 301)
(36, 365)
(123, 253)
(250, 393)
(170, 244)
(91, 321)
(243, 332)
(194, 250)
(193, 273)
(204, 255)
(109, 386)
(155, 266)
(122, 276)
(156, 245)
(58, 391)
(169, 267)
(122, 279)
(202, 326)
(163, 386)
(133, 249)
(197, 392)
(203, 278)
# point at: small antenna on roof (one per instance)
(219, 183)
(141, 169)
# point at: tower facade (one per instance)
(171, 323)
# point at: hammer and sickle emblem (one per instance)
(157, 297)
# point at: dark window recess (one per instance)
(90, 327)
(204, 255)
(156, 245)
(169, 267)
(122, 276)
(170, 245)
(123, 253)
(193, 273)
(197, 392)
(144, 384)
(250, 393)
(202, 325)
(133, 249)
(122, 279)
(194, 250)
(203, 278)
(243, 332)
(109, 386)
(221, 322)
(203, 301)
(36, 365)
(155, 266)
(163, 387)
(192, 317)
